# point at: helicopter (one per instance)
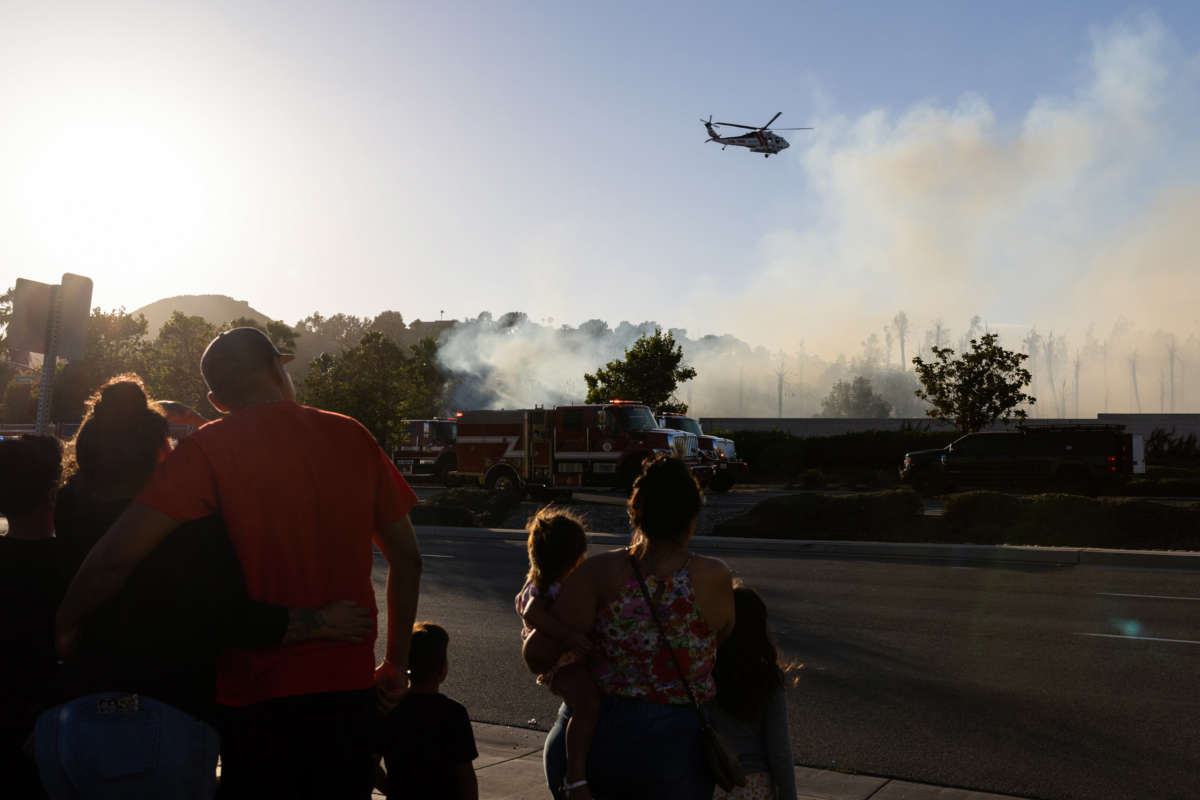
(761, 140)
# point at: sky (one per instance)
(1032, 163)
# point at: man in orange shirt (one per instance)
(303, 493)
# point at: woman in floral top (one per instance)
(647, 743)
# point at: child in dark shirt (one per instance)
(426, 741)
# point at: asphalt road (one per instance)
(1019, 681)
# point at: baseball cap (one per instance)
(236, 354)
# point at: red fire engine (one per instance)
(567, 446)
(426, 448)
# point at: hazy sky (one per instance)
(1031, 165)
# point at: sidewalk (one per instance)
(510, 768)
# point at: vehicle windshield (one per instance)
(634, 418)
(683, 424)
(445, 432)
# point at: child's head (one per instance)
(427, 653)
(30, 468)
(747, 668)
(557, 543)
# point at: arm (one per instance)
(779, 745)
(131, 538)
(538, 616)
(465, 780)
(575, 608)
(398, 542)
(339, 621)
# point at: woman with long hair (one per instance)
(647, 742)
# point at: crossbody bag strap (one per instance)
(662, 632)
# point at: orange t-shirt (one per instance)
(302, 493)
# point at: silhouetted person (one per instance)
(32, 581)
(139, 714)
(426, 741)
(303, 493)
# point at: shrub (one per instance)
(978, 517)
(462, 507)
(890, 515)
(1167, 448)
(1063, 520)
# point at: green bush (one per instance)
(1160, 487)
(462, 507)
(978, 517)
(886, 516)
(1063, 520)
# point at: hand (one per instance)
(579, 642)
(344, 621)
(391, 684)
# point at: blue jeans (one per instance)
(116, 745)
(641, 750)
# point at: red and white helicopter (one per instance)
(761, 140)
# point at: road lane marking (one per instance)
(1148, 596)
(1142, 638)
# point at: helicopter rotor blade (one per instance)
(787, 129)
(764, 127)
(735, 125)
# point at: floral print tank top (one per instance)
(632, 662)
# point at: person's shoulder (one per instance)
(707, 567)
(604, 564)
(339, 423)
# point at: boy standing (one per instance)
(426, 741)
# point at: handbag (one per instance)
(722, 761)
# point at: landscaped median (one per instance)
(986, 518)
(468, 508)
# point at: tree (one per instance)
(650, 372)
(173, 361)
(377, 383)
(979, 387)
(116, 343)
(282, 335)
(390, 324)
(855, 399)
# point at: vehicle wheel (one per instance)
(505, 483)
(721, 482)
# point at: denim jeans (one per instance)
(641, 750)
(117, 745)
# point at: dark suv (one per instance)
(1074, 458)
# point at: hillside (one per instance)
(216, 308)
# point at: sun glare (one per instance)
(115, 196)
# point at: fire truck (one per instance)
(427, 448)
(574, 446)
(717, 451)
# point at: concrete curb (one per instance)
(903, 551)
(509, 767)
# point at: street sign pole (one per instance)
(49, 361)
